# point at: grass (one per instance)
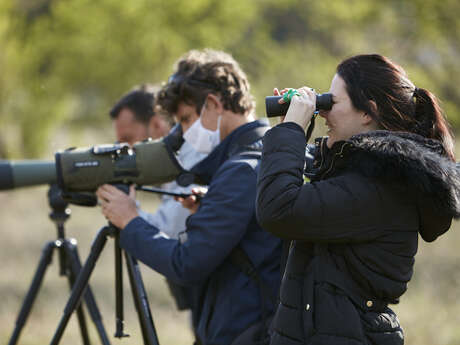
(428, 311)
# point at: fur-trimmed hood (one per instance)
(406, 158)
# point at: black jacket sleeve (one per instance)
(331, 210)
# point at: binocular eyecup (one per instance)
(273, 108)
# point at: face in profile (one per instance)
(128, 129)
(186, 115)
(343, 120)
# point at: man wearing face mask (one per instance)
(231, 261)
(134, 119)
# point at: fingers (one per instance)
(303, 94)
(132, 191)
(281, 93)
(201, 191)
(302, 107)
(308, 91)
(291, 93)
(105, 210)
(189, 202)
(107, 191)
(103, 195)
(306, 94)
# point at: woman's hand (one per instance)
(276, 92)
(118, 207)
(193, 201)
(302, 106)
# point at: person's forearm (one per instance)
(281, 174)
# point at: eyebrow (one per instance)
(185, 117)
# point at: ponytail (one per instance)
(400, 108)
(430, 121)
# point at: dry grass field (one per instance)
(24, 230)
(429, 311)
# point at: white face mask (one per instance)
(201, 139)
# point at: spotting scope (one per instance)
(85, 169)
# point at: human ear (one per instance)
(214, 103)
(367, 119)
(156, 127)
(153, 127)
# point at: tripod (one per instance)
(70, 266)
(139, 295)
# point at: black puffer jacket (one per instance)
(354, 229)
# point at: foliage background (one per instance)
(63, 63)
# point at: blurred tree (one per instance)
(68, 61)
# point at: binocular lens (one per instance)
(273, 108)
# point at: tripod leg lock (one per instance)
(119, 333)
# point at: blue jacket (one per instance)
(228, 301)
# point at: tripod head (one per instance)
(60, 212)
(55, 200)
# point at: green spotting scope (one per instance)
(85, 169)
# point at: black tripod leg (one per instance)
(29, 300)
(82, 281)
(80, 315)
(75, 267)
(141, 301)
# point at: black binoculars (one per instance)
(273, 108)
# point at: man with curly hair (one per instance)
(232, 263)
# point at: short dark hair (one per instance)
(199, 73)
(141, 101)
(400, 106)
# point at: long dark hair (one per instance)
(382, 89)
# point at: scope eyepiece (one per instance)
(273, 108)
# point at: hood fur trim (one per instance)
(411, 159)
(416, 161)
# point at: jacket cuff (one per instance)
(291, 125)
(133, 226)
(285, 137)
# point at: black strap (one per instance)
(245, 145)
(249, 141)
(310, 129)
(212, 287)
(248, 145)
(240, 259)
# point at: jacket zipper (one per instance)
(333, 160)
(321, 153)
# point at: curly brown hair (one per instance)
(199, 73)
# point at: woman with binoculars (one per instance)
(384, 175)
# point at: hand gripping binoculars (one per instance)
(273, 108)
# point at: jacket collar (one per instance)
(405, 158)
(379, 147)
(206, 169)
